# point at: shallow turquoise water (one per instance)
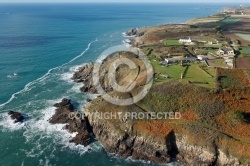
(41, 45)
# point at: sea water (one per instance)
(41, 46)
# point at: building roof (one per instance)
(226, 49)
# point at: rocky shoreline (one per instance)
(75, 122)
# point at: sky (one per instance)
(135, 1)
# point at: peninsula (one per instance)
(202, 71)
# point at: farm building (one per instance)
(179, 58)
(226, 52)
(205, 57)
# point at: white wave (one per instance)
(76, 88)
(124, 34)
(27, 87)
(76, 67)
(52, 102)
(127, 43)
(7, 123)
(67, 77)
(83, 51)
(12, 75)
(44, 162)
(42, 129)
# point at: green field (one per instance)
(174, 71)
(231, 20)
(243, 36)
(205, 51)
(194, 74)
(245, 51)
(172, 43)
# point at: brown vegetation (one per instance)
(243, 62)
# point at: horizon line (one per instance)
(96, 2)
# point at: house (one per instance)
(171, 60)
(163, 63)
(205, 57)
(226, 52)
(187, 41)
(180, 58)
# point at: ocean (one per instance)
(41, 45)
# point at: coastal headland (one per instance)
(200, 71)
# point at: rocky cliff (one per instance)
(127, 138)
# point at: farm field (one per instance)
(200, 76)
(243, 62)
(172, 43)
(173, 71)
(194, 74)
(217, 63)
(231, 20)
(244, 36)
(245, 51)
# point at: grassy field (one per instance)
(243, 36)
(245, 51)
(172, 42)
(205, 20)
(195, 74)
(205, 51)
(174, 71)
(231, 20)
(217, 63)
(199, 77)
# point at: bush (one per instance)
(237, 116)
(210, 109)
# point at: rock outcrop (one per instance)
(16, 116)
(84, 75)
(65, 114)
(134, 32)
(123, 74)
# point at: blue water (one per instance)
(41, 45)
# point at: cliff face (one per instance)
(120, 138)
(125, 141)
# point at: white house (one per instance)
(205, 57)
(187, 41)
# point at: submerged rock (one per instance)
(17, 116)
